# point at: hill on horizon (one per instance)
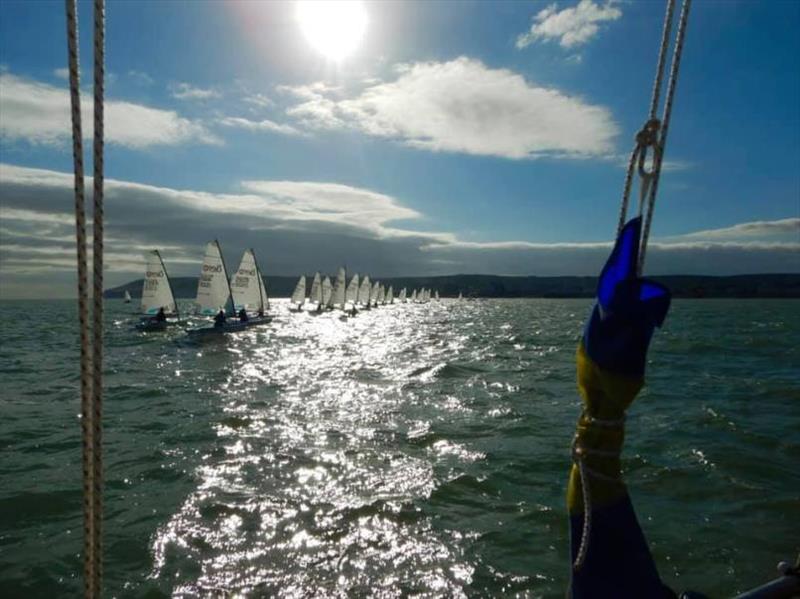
(491, 286)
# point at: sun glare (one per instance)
(333, 27)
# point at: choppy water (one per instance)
(411, 450)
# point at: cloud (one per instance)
(184, 91)
(258, 100)
(140, 78)
(784, 228)
(572, 27)
(264, 125)
(463, 106)
(302, 226)
(62, 73)
(39, 113)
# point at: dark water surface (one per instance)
(417, 449)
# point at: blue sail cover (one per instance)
(610, 367)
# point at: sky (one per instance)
(454, 137)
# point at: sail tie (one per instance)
(579, 454)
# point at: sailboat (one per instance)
(373, 294)
(339, 289)
(248, 291)
(298, 295)
(214, 292)
(351, 295)
(156, 294)
(402, 297)
(127, 297)
(363, 293)
(315, 302)
(390, 295)
(414, 296)
(460, 296)
(437, 295)
(381, 294)
(327, 294)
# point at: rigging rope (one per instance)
(97, 261)
(87, 429)
(652, 135)
(654, 132)
(91, 351)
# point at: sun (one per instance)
(333, 27)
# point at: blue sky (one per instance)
(457, 137)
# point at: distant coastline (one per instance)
(496, 286)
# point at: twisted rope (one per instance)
(87, 417)
(579, 454)
(97, 355)
(665, 119)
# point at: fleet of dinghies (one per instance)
(241, 301)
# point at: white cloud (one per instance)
(264, 125)
(62, 73)
(258, 100)
(573, 26)
(140, 77)
(761, 230)
(40, 114)
(185, 91)
(297, 226)
(464, 106)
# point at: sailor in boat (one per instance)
(219, 319)
(161, 316)
(243, 315)
(261, 312)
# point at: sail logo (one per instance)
(243, 272)
(152, 274)
(212, 268)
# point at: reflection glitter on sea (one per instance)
(312, 484)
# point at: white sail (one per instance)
(315, 297)
(327, 292)
(402, 296)
(437, 295)
(373, 294)
(339, 288)
(363, 292)
(245, 286)
(460, 297)
(381, 295)
(156, 290)
(127, 297)
(262, 286)
(351, 295)
(390, 295)
(213, 288)
(414, 295)
(299, 293)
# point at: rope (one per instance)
(654, 133)
(91, 351)
(87, 431)
(97, 355)
(579, 454)
(673, 82)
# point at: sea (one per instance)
(413, 450)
